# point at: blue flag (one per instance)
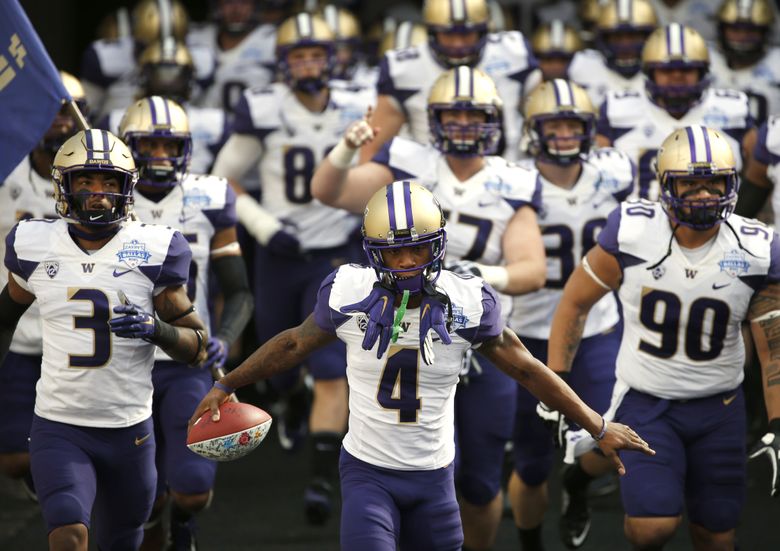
(31, 90)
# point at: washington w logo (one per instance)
(690, 274)
(157, 213)
(88, 267)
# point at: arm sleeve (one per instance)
(234, 284)
(490, 323)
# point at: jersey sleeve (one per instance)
(762, 152)
(773, 275)
(326, 318)
(226, 216)
(388, 155)
(175, 269)
(608, 237)
(490, 323)
(243, 122)
(18, 266)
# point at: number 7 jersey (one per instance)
(683, 309)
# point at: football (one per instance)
(240, 429)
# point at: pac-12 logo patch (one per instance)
(734, 263)
(51, 267)
(133, 254)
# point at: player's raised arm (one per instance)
(284, 351)
(509, 355)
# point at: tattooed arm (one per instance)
(764, 316)
(183, 335)
(284, 351)
(583, 289)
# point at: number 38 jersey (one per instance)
(683, 309)
(401, 411)
(294, 142)
(570, 220)
(199, 207)
(89, 376)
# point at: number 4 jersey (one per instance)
(294, 141)
(683, 308)
(401, 411)
(89, 376)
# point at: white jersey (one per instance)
(638, 127)
(401, 411)
(589, 69)
(682, 316)
(199, 207)
(25, 194)
(761, 82)
(407, 76)
(209, 129)
(294, 141)
(767, 151)
(570, 221)
(89, 377)
(248, 65)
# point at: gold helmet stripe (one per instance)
(158, 108)
(399, 207)
(744, 9)
(404, 36)
(458, 10)
(563, 93)
(331, 16)
(96, 152)
(674, 40)
(166, 18)
(699, 142)
(464, 82)
(557, 35)
(303, 23)
(624, 9)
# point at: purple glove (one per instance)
(135, 324)
(284, 244)
(378, 305)
(436, 314)
(216, 353)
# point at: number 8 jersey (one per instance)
(294, 141)
(683, 308)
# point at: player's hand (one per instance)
(359, 133)
(378, 305)
(769, 445)
(621, 437)
(216, 353)
(464, 267)
(436, 314)
(211, 401)
(285, 244)
(134, 323)
(555, 422)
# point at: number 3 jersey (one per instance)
(294, 141)
(199, 207)
(401, 411)
(89, 376)
(683, 309)
(570, 221)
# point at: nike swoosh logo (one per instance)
(117, 274)
(139, 441)
(727, 401)
(425, 311)
(384, 306)
(715, 286)
(98, 217)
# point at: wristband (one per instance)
(603, 430)
(224, 388)
(341, 155)
(496, 276)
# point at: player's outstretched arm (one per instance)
(14, 301)
(284, 351)
(508, 354)
(764, 315)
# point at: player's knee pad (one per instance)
(478, 490)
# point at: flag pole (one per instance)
(81, 121)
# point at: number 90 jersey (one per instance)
(89, 376)
(401, 411)
(638, 127)
(683, 309)
(294, 141)
(570, 221)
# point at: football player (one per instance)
(167, 70)
(621, 28)
(490, 207)
(350, 63)
(109, 290)
(407, 323)
(285, 130)
(745, 60)
(202, 208)
(675, 62)
(457, 35)
(688, 273)
(27, 193)
(579, 188)
(554, 45)
(762, 173)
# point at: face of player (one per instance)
(406, 258)
(626, 44)
(307, 62)
(742, 38)
(461, 124)
(234, 12)
(159, 147)
(90, 188)
(700, 188)
(554, 67)
(562, 133)
(457, 41)
(676, 77)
